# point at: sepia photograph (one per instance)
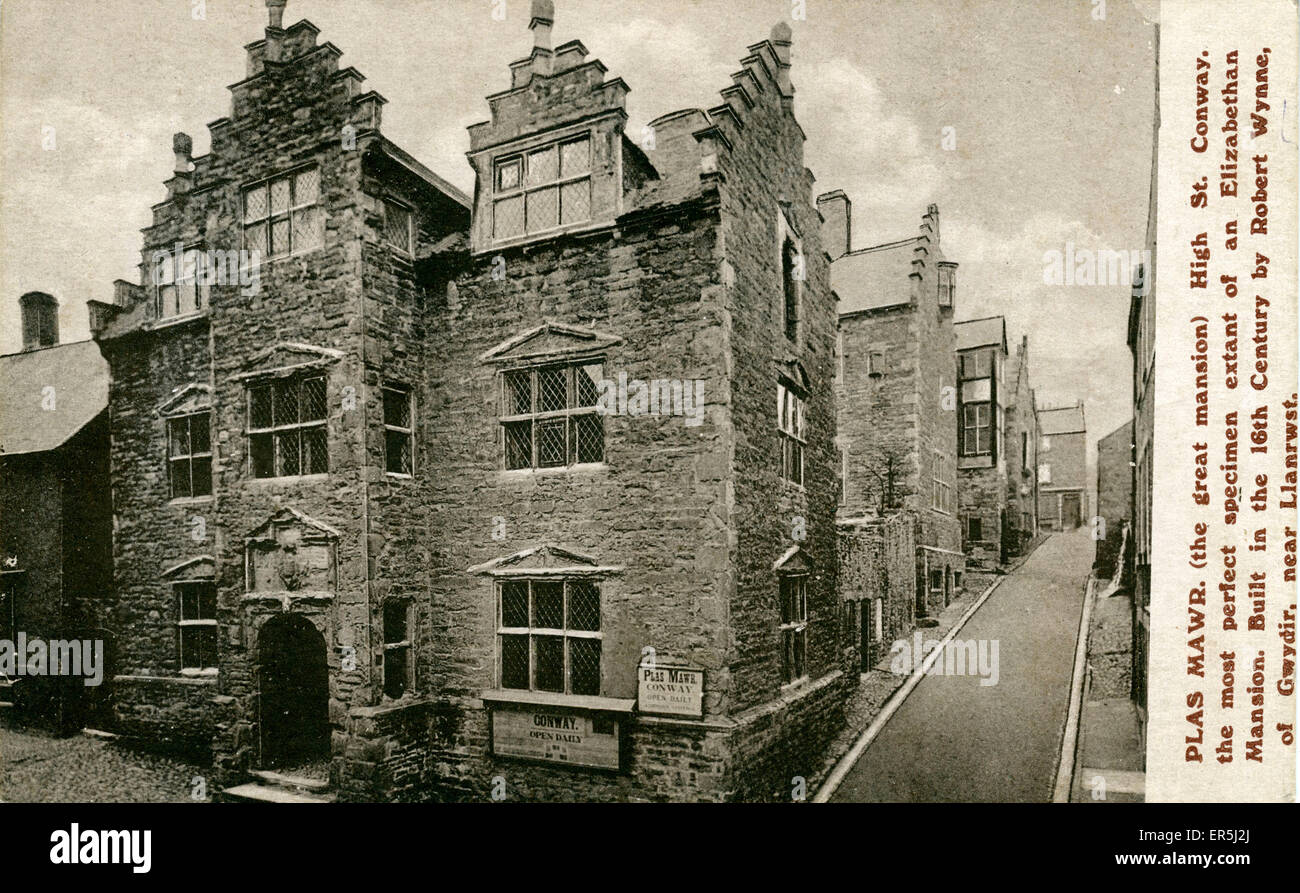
(601, 401)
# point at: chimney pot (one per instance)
(276, 10)
(541, 21)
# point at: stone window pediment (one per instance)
(291, 552)
(200, 567)
(288, 358)
(545, 561)
(187, 399)
(795, 562)
(549, 341)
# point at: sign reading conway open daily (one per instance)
(570, 738)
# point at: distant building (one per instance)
(1022, 456)
(983, 395)
(1114, 495)
(55, 509)
(1062, 467)
(898, 444)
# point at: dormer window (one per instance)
(947, 286)
(182, 283)
(542, 189)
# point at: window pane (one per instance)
(584, 607)
(397, 226)
(508, 218)
(584, 666)
(395, 671)
(514, 604)
(255, 239)
(589, 437)
(587, 380)
(180, 475)
(548, 663)
(551, 445)
(308, 229)
(543, 166)
(519, 445)
(201, 475)
(179, 430)
(548, 605)
(198, 647)
(508, 174)
(519, 395)
(575, 202)
(207, 601)
(551, 389)
(514, 662)
(279, 237)
(168, 301)
(800, 638)
(397, 452)
(280, 196)
(259, 407)
(543, 209)
(313, 400)
(199, 434)
(306, 186)
(255, 204)
(262, 454)
(315, 452)
(286, 402)
(394, 622)
(575, 158)
(288, 451)
(397, 408)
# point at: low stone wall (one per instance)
(878, 560)
(168, 713)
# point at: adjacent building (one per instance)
(982, 467)
(1021, 441)
(1062, 467)
(1114, 498)
(898, 438)
(55, 515)
(438, 490)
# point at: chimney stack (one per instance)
(837, 228)
(275, 30)
(183, 147)
(40, 314)
(782, 39)
(541, 22)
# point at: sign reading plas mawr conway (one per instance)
(670, 691)
(571, 738)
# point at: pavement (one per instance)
(1109, 767)
(955, 740)
(38, 768)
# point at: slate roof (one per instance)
(1066, 420)
(876, 277)
(981, 332)
(79, 375)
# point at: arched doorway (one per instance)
(293, 689)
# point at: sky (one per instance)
(1049, 105)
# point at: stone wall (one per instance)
(878, 561)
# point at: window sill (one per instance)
(582, 468)
(794, 684)
(207, 673)
(168, 321)
(292, 479)
(511, 696)
(181, 501)
(398, 476)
